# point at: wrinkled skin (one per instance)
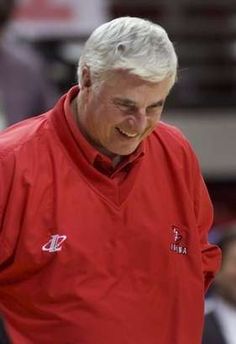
(118, 114)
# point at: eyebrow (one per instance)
(124, 101)
(159, 103)
(129, 102)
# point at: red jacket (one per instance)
(86, 258)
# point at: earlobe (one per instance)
(86, 77)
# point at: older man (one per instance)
(103, 211)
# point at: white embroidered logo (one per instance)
(177, 245)
(55, 243)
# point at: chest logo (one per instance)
(55, 243)
(177, 244)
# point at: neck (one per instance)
(116, 160)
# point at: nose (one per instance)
(138, 121)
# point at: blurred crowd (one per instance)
(25, 89)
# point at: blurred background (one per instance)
(45, 37)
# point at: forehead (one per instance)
(122, 84)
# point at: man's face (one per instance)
(226, 279)
(121, 112)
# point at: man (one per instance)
(104, 213)
(220, 319)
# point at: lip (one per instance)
(127, 134)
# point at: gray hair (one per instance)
(134, 44)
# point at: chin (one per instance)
(112, 150)
(125, 151)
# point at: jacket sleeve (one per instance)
(211, 254)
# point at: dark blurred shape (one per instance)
(223, 195)
(4, 339)
(220, 319)
(6, 8)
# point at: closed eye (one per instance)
(155, 107)
(127, 108)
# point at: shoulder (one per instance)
(169, 146)
(171, 142)
(23, 136)
(172, 134)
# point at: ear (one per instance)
(86, 78)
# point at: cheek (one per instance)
(113, 117)
(101, 117)
(109, 120)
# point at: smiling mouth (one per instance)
(126, 133)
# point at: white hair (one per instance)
(128, 43)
